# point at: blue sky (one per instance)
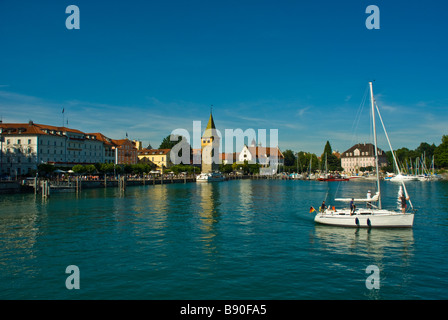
(148, 67)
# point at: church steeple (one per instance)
(210, 147)
(210, 129)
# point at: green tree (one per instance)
(441, 153)
(304, 159)
(107, 168)
(289, 158)
(89, 168)
(119, 169)
(254, 168)
(426, 149)
(78, 168)
(332, 161)
(168, 144)
(236, 166)
(128, 168)
(225, 168)
(327, 149)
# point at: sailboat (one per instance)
(311, 175)
(371, 215)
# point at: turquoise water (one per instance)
(244, 239)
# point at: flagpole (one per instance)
(63, 117)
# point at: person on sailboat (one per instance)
(403, 199)
(323, 206)
(352, 206)
(369, 196)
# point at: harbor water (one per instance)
(239, 239)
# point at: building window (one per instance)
(29, 141)
(18, 141)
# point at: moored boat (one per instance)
(333, 178)
(210, 177)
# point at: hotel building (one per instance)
(361, 155)
(26, 145)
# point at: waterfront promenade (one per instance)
(27, 185)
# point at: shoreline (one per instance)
(27, 186)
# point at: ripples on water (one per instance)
(233, 240)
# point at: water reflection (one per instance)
(366, 242)
(19, 229)
(391, 250)
(246, 202)
(209, 217)
(158, 204)
(210, 201)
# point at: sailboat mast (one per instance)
(376, 147)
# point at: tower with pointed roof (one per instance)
(210, 147)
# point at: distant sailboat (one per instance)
(372, 215)
(330, 177)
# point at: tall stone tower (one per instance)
(210, 147)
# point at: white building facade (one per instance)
(261, 155)
(25, 146)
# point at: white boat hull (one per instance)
(366, 219)
(401, 178)
(210, 177)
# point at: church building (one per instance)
(210, 142)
